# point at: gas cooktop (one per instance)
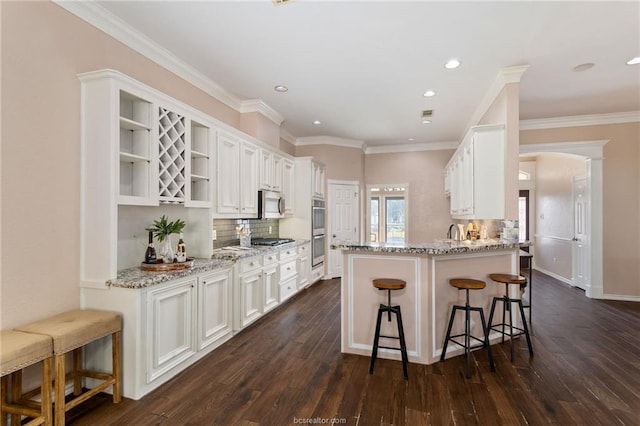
(270, 241)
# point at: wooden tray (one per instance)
(163, 267)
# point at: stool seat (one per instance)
(467, 284)
(19, 350)
(70, 332)
(508, 278)
(389, 284)
(76, 328)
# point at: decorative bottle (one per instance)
(181, 250)
(150, 254)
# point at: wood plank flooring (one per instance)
(288, 367)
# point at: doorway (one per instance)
(592, 151)
(387, 207)
(344, 207)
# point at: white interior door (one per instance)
(343, 226)
(581, 247)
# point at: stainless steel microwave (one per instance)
(270, 205)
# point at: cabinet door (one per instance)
(270, 284)
(214, 310)
(170, 320)
(467, 180)
(249, 179)
(266, 170)
(228, 161)
(303, 271)
(251, 303)
(288, 170)
(276, 173)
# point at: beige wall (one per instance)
(621, 198)
(260, 127)
(44, 47)
(287, 147)
(429, 215)
(342, 163)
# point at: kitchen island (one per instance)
(427, 299)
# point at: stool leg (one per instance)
(446, 337)
(4, 392)
(376, 338)
(526, 329)
(389, 305)
(467, 339)
(507, 300)
(45, 407)
(504, 314)
(486, 340)
(77, 367)
(403, 345)
(16, 394)
(59, 405)
(116, 339)
(491, 312)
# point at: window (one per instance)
(523, 215)
(387, 218)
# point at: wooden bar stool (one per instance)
(70, 332)
(507, 303)
(389, 284)
(468, 284)
(17, 351)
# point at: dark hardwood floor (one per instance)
(288, 367)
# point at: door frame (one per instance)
(574, 260)
(328, 230)
(592, 151)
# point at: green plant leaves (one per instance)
(162, 228)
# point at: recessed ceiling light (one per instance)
(429, 93)
(280, 88)
(452, 63)
(634, 61)
(583, 67)
(411, 139)
(317, 123)
(426, 121)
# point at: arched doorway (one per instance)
(592, 152)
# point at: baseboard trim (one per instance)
(554, 275)
(620, 297)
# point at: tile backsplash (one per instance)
(227, 235)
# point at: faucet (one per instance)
(450, 234)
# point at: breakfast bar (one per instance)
(427, 299)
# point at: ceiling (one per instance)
(361, 67)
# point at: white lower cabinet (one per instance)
(270, 281)
(288, 288)
(214, 308)
(304, 265)
(251, 304)
(170, 326)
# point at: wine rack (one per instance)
(172, 152)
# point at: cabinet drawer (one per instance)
(288, 289)
(270, 258)
(250, 264)
(289, 253)
(304, 250)
(288, 270)
(316, 274)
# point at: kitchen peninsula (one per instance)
(427, 299)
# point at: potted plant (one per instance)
(162, 230)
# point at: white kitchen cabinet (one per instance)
(288, 184)
(270, 171)
(250, 285)
(270, 281)
(476, 175)
(170, 326)
(318, 179)
(172, 159)
(200, 165)
(288, 272)
(304, 264)
(214, 308)
(238, 168)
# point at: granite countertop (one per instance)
(137, 278)
(221, 258)
(439, 247)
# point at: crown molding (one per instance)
(428, 146)
(580, 120)
(330, 140)
(505, 76)
(99, 17)
(256, 105)
(590, 149)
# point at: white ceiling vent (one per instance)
(427, 113)
(276, 2)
